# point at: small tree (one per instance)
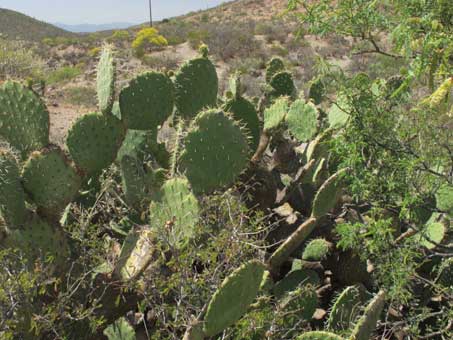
(146, 38)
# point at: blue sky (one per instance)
(104, 11)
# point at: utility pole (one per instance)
(150, 14)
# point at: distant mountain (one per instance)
(15, 25)
(89, 28)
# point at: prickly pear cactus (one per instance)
(196, 87)
(50, 180)
(316, 250)
(317, 91)
(244, 111)
(12, 196)
(346, 309)
(302, 120)
(434, 230)
(327, 195)
(318, 335)
(232, 299)
(137, 144)
(367, 323)
(274, 66)
(38, 241)
(147, 102)
(136, 254)
(178, 209)
(283, 84)
(120, 330)
(445, 273)
(276, 114)
(319, 147)
(216, 151)
(295, 279)
(303, 300)
(94, 140)
(24, 119)
(337, 114)
(194, 332)
(105, 81)
(444, 199)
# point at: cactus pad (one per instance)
(317, 91)
(317, 335)
(367, 323)
(105, 82)
(327, 195)
(434, 230)
(316, 250)
(276, 114)
(196, 87)
(120, 330)
(274, 66)
(346, 308)
(337, 114)
(94, 140)
(444, 199)
(147, 102)
(283, 84)
(179, 207)
(445, 273)
(302, 120)
(216, 151)
(295, 279)
(24, 119)
(12, 196)
(49, 179)
(319, 147)
(231, 300)
(137, 144)
(303, 300)
(244, 111)
(38, 240)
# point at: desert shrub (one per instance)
(84, 96)
(119, 36)
(146, 38)
(94, 52)
(17, 61)
(175, 31)
(164, 61)
(63, 74)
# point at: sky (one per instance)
(104, 11)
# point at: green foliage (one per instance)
(316, 250)
(316, 335)
(24, 118)
(444, 198)
(145, 38)
(19, 62)
(63, 74)
(105, 81)
(120, 330)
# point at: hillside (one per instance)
(15, 25)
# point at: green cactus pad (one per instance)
(303, 301)
(194, 332)
(38, 240)
(295, 279)
(337, 114)
(137, 144)
(283, 84)
(244, 111)
(327, 195)
(216, 151)
(319, 147)
(120, 330)
(276, 114)
(147, 102)
(136, 254)
(317, 335)
(367, 323)
(274, 66)
(177, 206)
(321, 173)
(51, 182)
(302, 120)
(316, 250)
(94, 140)
(105, 81)
(235, 85)
(12, 196)
(232, 299)
(444, 199)
(346, 308)
(196, 87)
(434, 230)
(317, 91)
(24, 119)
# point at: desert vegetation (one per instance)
(282, 178)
